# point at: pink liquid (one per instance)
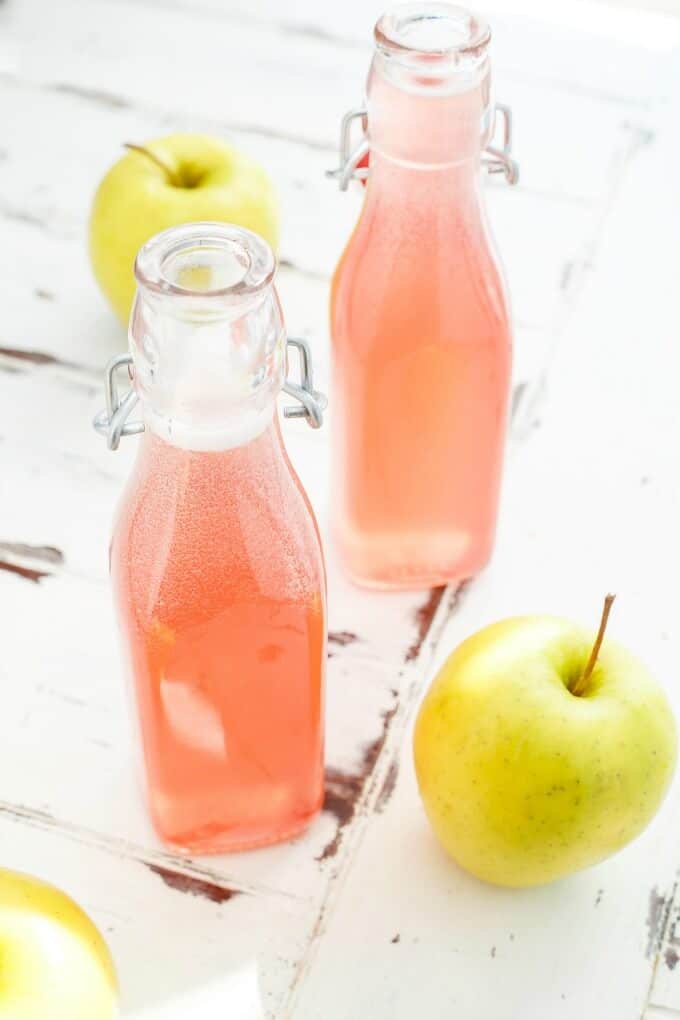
(421, 353)
(220, 589)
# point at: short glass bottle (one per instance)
(216, 561)
(420, 328)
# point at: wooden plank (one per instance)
(557, 205)
(256, 75)
(663, 947)
(180, 944)
(599, 519)
(542, 37)
(95, 74)
(66, 704)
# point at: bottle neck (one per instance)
(427, 127)
(207, 384)
(223, 431)
(403, 183)
(207, 336)
(156, 449)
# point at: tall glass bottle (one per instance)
(216, 562)
(420, 330)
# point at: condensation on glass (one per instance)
(421, 338)
(216, 562)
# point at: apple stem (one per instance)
(581, 684)
(167, 170)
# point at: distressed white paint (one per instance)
(591, 503)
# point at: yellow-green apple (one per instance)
(540, 749)
(54, 964)
(177, 179)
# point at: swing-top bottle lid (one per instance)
(209, 265)
(429, 98)
(207, 343)
(207, 335)
(431, 31)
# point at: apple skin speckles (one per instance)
(522, 781)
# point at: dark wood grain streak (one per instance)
(32, 357)
(345, 789)
(193, 886)
(28, 573)
(45, 553)
(423, 620)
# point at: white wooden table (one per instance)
(363, 918)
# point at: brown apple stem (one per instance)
(581, 684)
(167, 170)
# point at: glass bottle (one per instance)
(421, 340)
(216, 561)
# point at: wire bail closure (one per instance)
(113, 424)
(496, 159)
(499, 160)
(312, 402)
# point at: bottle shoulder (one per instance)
(243, 520)
(444, 237)
(442, 278)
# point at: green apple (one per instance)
(177, 179)
(540, 750)
(54, 964)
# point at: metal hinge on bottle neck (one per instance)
(312, 402)
(113, 423)
(496, 159)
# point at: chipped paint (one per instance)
(372, 750)
(342, 793)
(12, 551)
(567, 274)
(28, 573)
(657, 920)
(193, 886)
(24, 216)
(45, 553)
(342, 638)
(17, 359)
(99, 96)
(344, 789)
(517, 394)
(669, 941)
(31, 356)
(387, 788)
(424, 616)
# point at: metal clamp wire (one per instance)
(113, 422)
(495, 159)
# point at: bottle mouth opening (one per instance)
(205, 260)
(429, 34)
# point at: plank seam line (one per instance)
(661, 937)
(103, 97)
(622, 156)
(362, 42)
(13, 563)
(417, 668)
(129, 850)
